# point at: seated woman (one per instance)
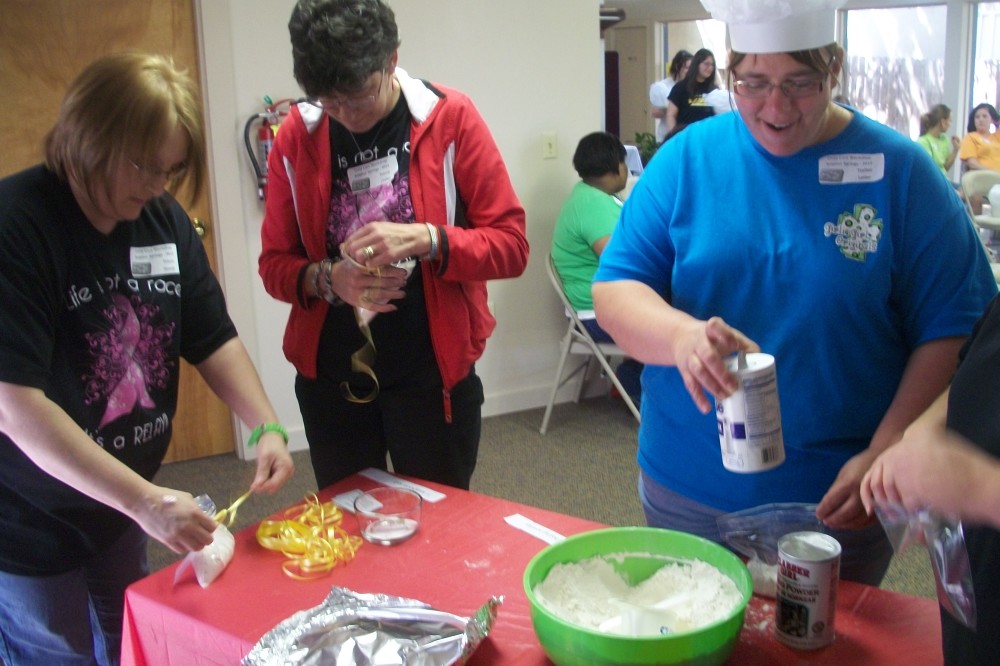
(584, 227)
(934, 126)
(980, 148)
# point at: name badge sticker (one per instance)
(154, 260)
(373, 174)
(852, 168)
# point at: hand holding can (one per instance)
(749, 419)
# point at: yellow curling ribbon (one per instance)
(311, 537)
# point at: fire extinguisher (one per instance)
(269, 121)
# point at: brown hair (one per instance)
(930, 119)
(123, 107)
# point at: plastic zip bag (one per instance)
(945, 544)
(211, 560)
(754, 533)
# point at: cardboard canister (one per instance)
(749, 419)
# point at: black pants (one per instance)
(408, 425)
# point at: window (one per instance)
(895, 63)
(986, 55)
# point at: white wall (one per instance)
(531, 67)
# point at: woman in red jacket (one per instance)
(389, 206)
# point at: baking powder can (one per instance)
(808, 572)
(750, 419)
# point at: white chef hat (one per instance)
(777, 26)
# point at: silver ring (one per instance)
(368, 251)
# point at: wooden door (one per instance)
(43, 46)
(631, 44)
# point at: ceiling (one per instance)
(658, 10)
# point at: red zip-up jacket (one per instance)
(458, 182)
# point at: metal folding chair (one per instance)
(578, 341)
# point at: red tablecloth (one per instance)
(463, 554)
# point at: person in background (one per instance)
(980, 148)
(948, 461)
(377, 172)
(687, 101)
(934, 126)
(106, 287)
(659, 91)
(721, 101)
(583, 228)
(861, 283)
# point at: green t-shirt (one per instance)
(587, 215)
(938, 146)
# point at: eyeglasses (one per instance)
(791, 88)
(152, 174)
(360, 103)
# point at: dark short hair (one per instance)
(598, 154)
(338, 44)
(990, 109)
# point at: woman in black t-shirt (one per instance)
(687, 102)
(105, 288)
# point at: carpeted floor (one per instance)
(585, 466)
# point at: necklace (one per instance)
(363, 153)
(366, 156)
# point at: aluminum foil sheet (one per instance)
(373, 630)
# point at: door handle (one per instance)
(199, 226)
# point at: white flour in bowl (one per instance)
(681, 596)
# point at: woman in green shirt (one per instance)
(933, 137)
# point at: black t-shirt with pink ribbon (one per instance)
(99, 323)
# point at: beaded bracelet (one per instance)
(257, 432)
(323, 282)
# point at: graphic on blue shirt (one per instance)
(129, 357)
(858, 233)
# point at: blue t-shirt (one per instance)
(839, 261)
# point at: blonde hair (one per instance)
(122, 108)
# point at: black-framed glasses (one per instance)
(792, 88)
(152, 174)
(360, 103)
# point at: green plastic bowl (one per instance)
(646, 550)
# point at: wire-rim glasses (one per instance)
(152, 174)
(791, 88)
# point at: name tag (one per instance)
(373, 174)
(154, 260)
(852, 168)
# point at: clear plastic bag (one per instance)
(754, 533)
(945, 544)
(211, 560)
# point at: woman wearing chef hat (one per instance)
(810, 233)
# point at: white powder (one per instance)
(681, 596)
(765, 577)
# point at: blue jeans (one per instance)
(75, 617)
(865, 553)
